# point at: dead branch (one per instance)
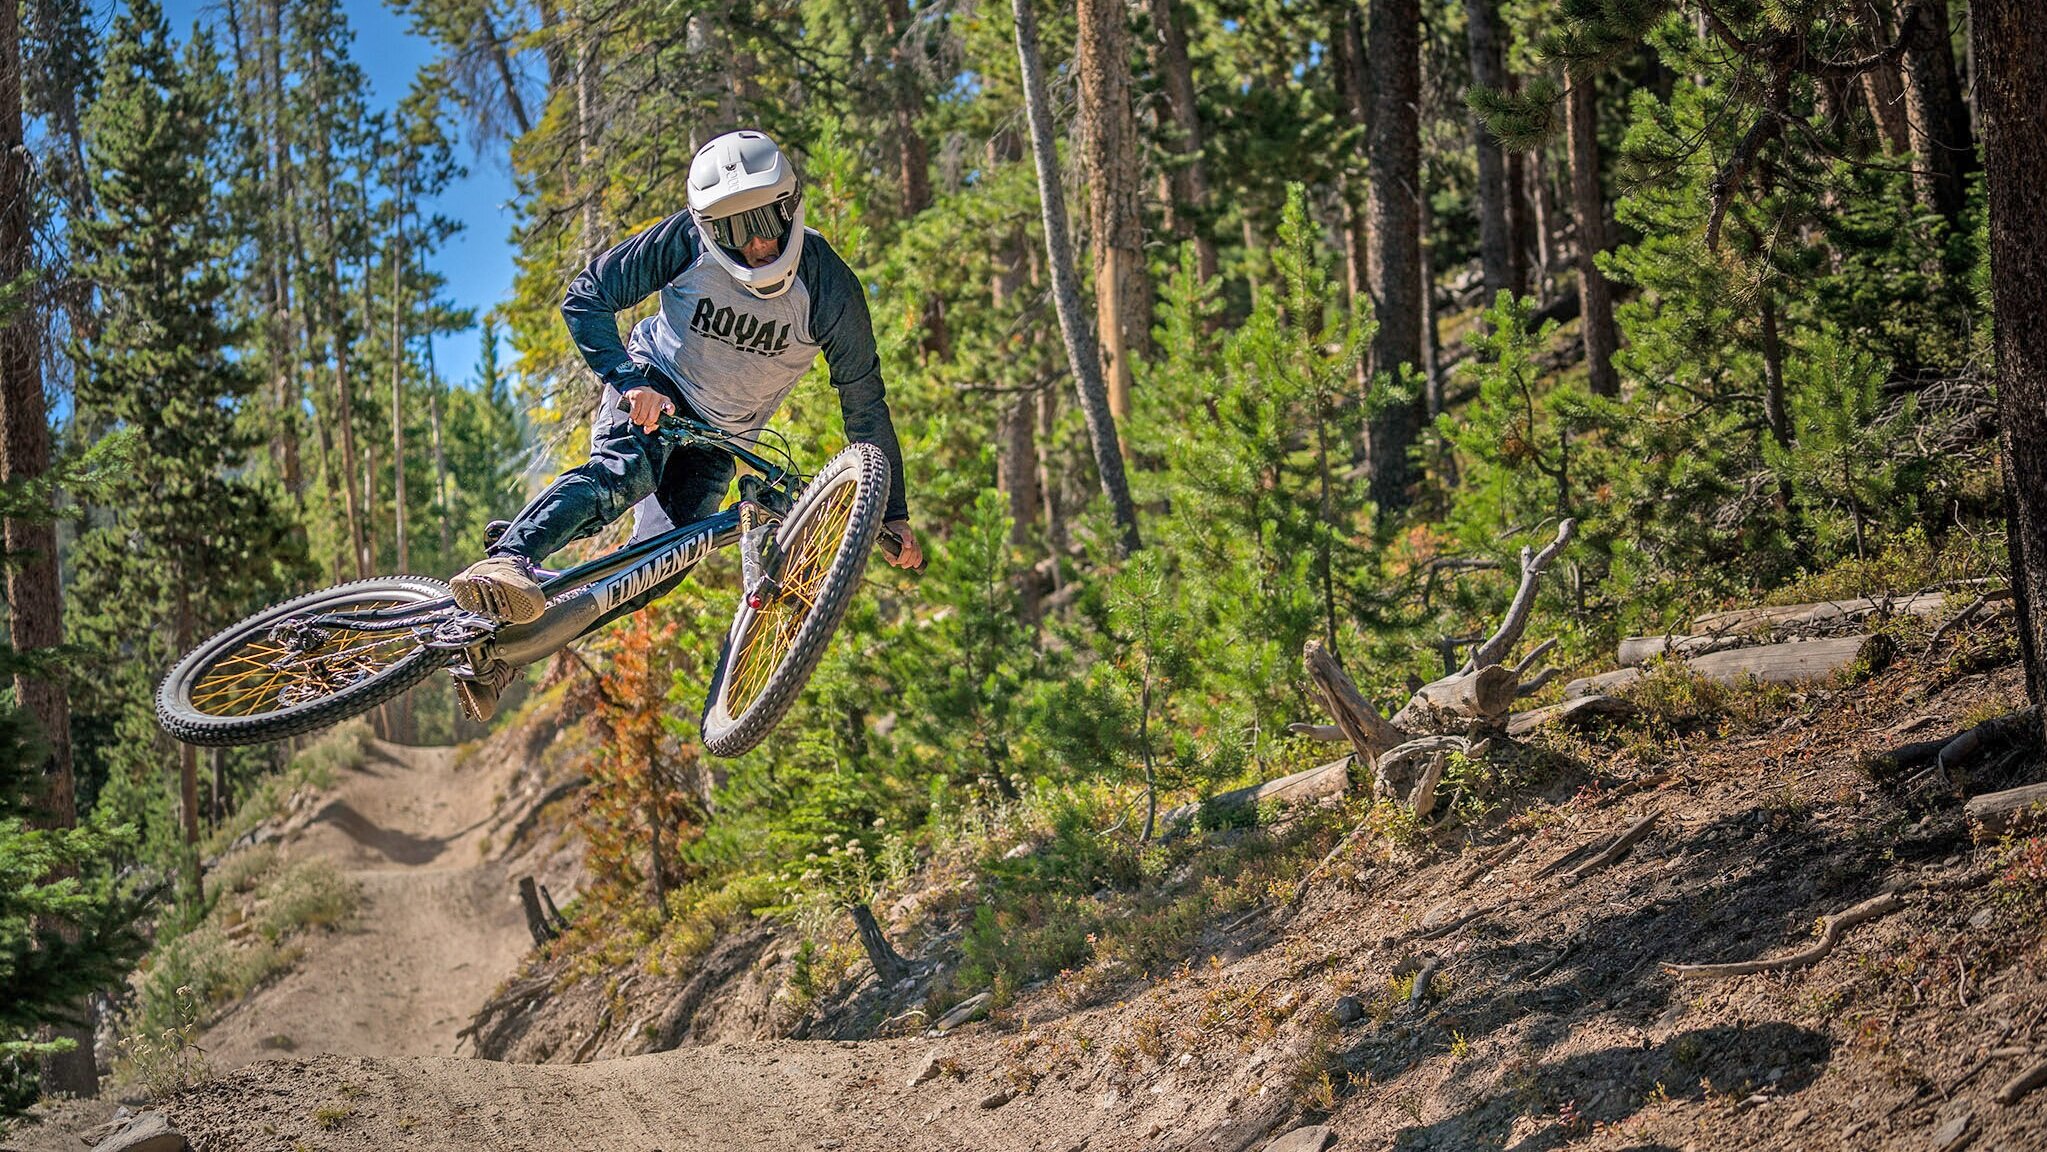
(1327, 733)
(1615, 852)
(1367, 731)
(1421, 982)
(1490, 861)
(2016, 1088)
(1957, 620)
(1870, 909)
(1534, 654)
(1541, 681)
(1423, 798)
(1494, 650)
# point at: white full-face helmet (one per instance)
(740, 187)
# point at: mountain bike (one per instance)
(804, 542)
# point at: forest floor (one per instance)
(1549, 1020)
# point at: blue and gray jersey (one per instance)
(733, 356)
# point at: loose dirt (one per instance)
(439, 928)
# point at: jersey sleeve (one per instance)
(843, 329)
(619, 278)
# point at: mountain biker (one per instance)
(748, 298)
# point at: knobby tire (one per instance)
(178, 715)
(862, 465)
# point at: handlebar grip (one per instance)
(892, 547)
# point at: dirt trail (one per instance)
(440, 925)
(766, 1097)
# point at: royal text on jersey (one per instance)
(728, 325)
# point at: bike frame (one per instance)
(591, 594)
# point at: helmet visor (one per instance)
(769, 221)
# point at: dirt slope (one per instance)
(440, 924)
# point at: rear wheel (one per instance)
(771, 651)
(276, 674)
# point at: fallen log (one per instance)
(1522, 723)
(2020, 1086)
(1742, 620)
(1313, 784)
(1636, 651)
(1788, 663)
(1870, 909)
(2007, 813)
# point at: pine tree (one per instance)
(183, 543)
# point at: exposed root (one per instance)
(1869, 909)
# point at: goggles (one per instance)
(769, 221)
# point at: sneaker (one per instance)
(479, 691)
(502, 588)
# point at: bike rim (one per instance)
(265, 674)
(771, 632)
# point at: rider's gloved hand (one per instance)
(648, 406)
(911, 556)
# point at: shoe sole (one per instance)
(500, 603)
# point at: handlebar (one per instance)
(891, 544)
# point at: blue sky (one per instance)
(478, 261)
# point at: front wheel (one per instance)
(278, 674)
(771, 651)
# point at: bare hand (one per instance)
(648, 406)
(911, 555)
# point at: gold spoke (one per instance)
(774, 629)
(262, 674)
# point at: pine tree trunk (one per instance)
(1080, 349)
(1545, 201)
(2010, 39)
(338, 348)
(1488, 70)
(1353, 88)
(1187, 206)
(1394, 270)
(1935, 116)
(34, 603)
(495, 45)
(1881, 85)
(1115, 220)
(1520, 224)
(398, 390)
(1588, 204)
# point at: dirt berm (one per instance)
(1549, 1016)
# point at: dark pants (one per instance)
(627, 467)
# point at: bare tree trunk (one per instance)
(338, 348)
(889, 965)
(1394, 270)
(1488, 70)
(2010, 38)
(1595, 296)
(1935, 115)
(1187, 206)
(1115, 221)
(1080, 349)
